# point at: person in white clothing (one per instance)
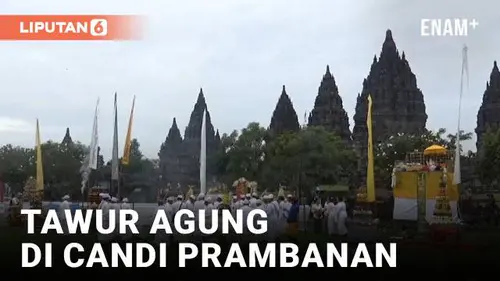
(169, 209)
(272, 210)
(115, 203)
(190, 202)
(245, 208)
(161, 235)
(217, 202)
(125, 205)
(331, 217)
(178, 204)
(208, 205)
(200, 203)
(62, 214)
(253, 200)
(317, 212)
(103, 197)
(281, 220)
(259, 204)
(105, 207)
(342, 218)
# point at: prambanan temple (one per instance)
(398, 103)
(180, 157)
(398, 107)
(488, 116)
(328, 110)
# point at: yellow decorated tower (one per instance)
(423, 189)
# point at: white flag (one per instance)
(94, 141)
(203, 155)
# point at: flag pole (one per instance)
(457, 175)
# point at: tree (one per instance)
(61, 164)
(16, 164)
(222, 156)
(396, 147)
(139, 173)
(451, 142)
(246, 153)
(309, 157)
(488, 167)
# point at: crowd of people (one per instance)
(285, 216)
(284, 213)
(331, 216)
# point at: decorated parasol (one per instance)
(241, 186)
(435, 150)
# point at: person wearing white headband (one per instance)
(125, 205)
(105, 206)
(62, 213)
(274, 213)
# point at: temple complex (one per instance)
(328, 110)
(488, 116)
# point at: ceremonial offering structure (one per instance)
(363, 210)
(35, 198)
(32, 195)
(241, 186)
(423, 189)
(93, 197)
(442, 210)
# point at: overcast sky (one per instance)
(241, 52)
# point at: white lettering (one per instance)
(446, 27)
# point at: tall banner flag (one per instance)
(90, 161)
(370, 176)
(94, 141)
(203, 155)
(128, 138)
(114, 155)
(457, 174)
(39, 162)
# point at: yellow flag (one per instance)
(39, 163)
(128, 138)
(370, 176)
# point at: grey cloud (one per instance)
(240, 52)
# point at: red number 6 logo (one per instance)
(98, 28)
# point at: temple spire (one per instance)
(67, 138)
(487, 116)
(328, 110)
(284, 118)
